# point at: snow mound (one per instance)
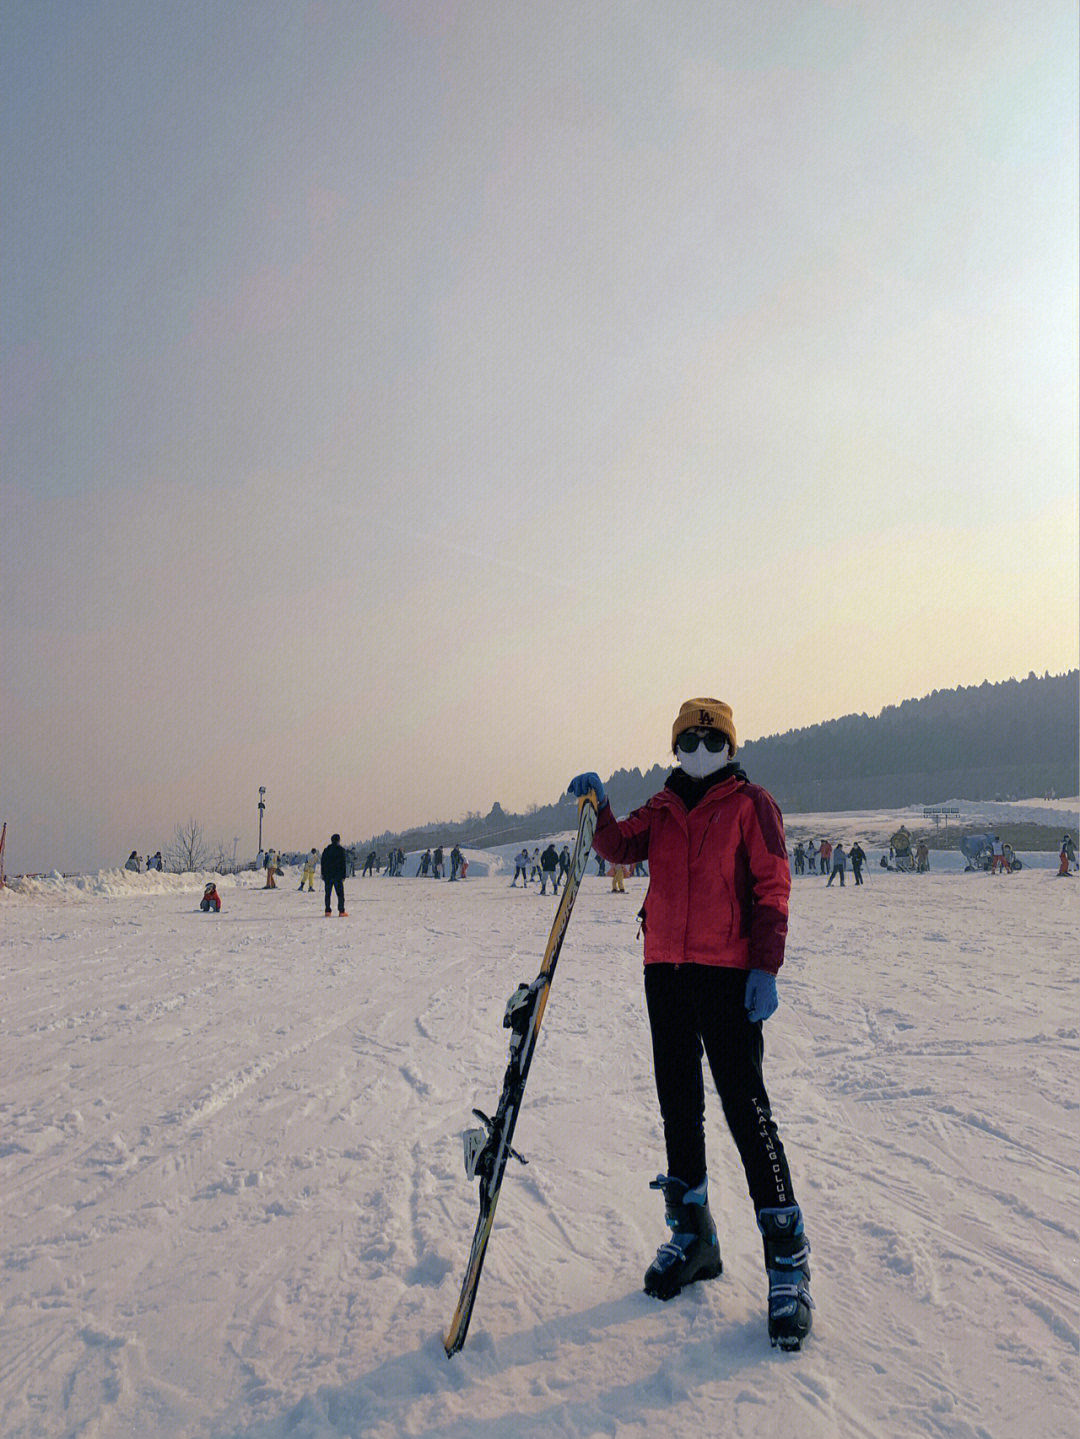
(111, 884)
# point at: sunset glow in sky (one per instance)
(407, 405)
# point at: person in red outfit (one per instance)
(715, 926)
(211, 900)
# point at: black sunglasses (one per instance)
(714, 741)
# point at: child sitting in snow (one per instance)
(211, 900)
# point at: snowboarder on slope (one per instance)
(715, 923)
(307, 879)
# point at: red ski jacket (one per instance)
(719, 878)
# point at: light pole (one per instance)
(236, 841)
(262, 806)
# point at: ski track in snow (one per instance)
(235, 1206)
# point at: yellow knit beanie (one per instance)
(711, 714)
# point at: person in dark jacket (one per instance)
(549, 869)
(838, 861)
(715, 925)
(857, 855)
(334, 863)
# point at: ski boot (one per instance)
(693, 1251)
(787, 1261)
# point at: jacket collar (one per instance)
(717, 786)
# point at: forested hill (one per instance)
(1016, 738)
(990, 741)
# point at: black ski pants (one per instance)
(335, 887)
(696, 1009)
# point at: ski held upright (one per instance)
(487, 1150)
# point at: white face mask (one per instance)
(702, 762)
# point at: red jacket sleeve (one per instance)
(771, 881)
(622, 841)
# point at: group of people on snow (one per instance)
(832, 858)
(269, 862)
(551, 866)
(153, 862)
(333, 864)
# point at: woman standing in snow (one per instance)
(715, 923)
(521, 866)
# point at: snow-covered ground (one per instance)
(234, 1200)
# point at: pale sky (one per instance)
(408, 405)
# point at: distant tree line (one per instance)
(1016, 738)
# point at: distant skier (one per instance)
(1069, 849)
(1000, 863)
(549, 869)
(455, 862)
(857, 855)
(922, 857)
(811, 858)
(334, 864)
(800, 858)
(211, 900)
(133, 862)
(307, 879)
(715, 924)
(424, 865)
(369, 865)
(825, 857)
(564, 863)
(838, 862)
(437, 863)
(270, 868)
(521, 866)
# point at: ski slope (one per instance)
(234, 1199)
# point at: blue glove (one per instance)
(581, 784)
(761, 1000)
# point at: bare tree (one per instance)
(189, 849)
